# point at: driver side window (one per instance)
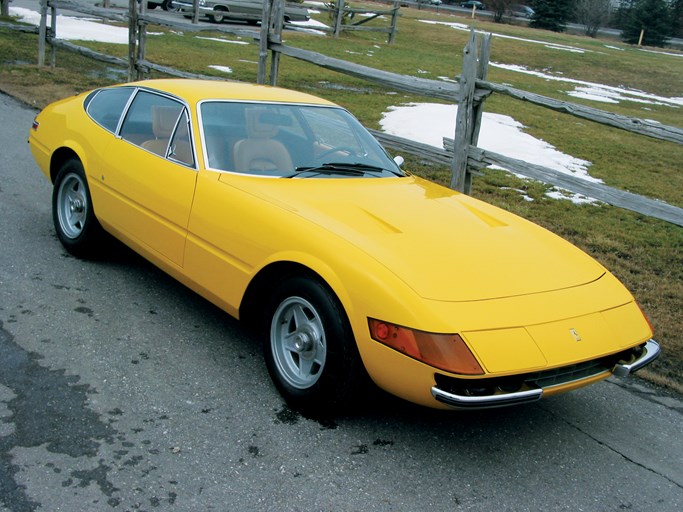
(160, 125)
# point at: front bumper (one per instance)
(500, 392)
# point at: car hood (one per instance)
(446, 246)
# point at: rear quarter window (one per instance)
(105, 106)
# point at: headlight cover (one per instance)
(444, 351)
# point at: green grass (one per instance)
(646, 254)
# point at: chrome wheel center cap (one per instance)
(76, 205)
(303, 342)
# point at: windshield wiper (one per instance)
(356, 169)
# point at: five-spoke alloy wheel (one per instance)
(72, 211)
(309, 347)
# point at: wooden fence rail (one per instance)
(472, 88)
(19, 28)
(433, 88)
(631, 124)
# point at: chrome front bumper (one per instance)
(651, 352)
(531, 392)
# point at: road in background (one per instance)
(119, 388)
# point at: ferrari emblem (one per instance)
(575, 334)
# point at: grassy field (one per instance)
(646, 254)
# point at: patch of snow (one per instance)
(76, 29)
(521, 192)
(221, 40)
(558, 193)
(593, 94)
(309, 26)
(606, 92)
(224, 69)
(429, 123)
(662, 53)
(467, 28)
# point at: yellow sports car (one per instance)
(283, 210)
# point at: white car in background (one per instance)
(246, 10)
(166, 5)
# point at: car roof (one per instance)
(194, 91)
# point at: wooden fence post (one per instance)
(51, 34)
(42, 33)
(263, 42)
(132, 38)
(277, 20)
(394, 22)
(338, 17)
(142, 42)
(464, 121)
(195, 11)
(482, 74)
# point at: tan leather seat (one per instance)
(163, 122)
(260, 153)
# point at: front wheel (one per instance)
(72, 212)
(218, 15)
(309, 348)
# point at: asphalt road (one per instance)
(122, 390)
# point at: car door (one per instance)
(251, 9)
(150, 174)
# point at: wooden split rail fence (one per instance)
(469, 92)
(357, 19)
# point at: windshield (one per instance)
(306, 141)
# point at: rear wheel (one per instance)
(218, 14)
(309, 347)
(72, 212)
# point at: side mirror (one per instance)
(399, 160)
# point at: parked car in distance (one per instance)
(473, 3)
(166, 5)
(521, 11)
(245, 10)
(283, 210)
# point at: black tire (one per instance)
(73, 215)
(309, 347)
(168, 5)
(218, 14)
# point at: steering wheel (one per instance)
(338, 149)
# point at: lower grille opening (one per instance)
(536, 380)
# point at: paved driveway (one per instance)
(122, 390)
